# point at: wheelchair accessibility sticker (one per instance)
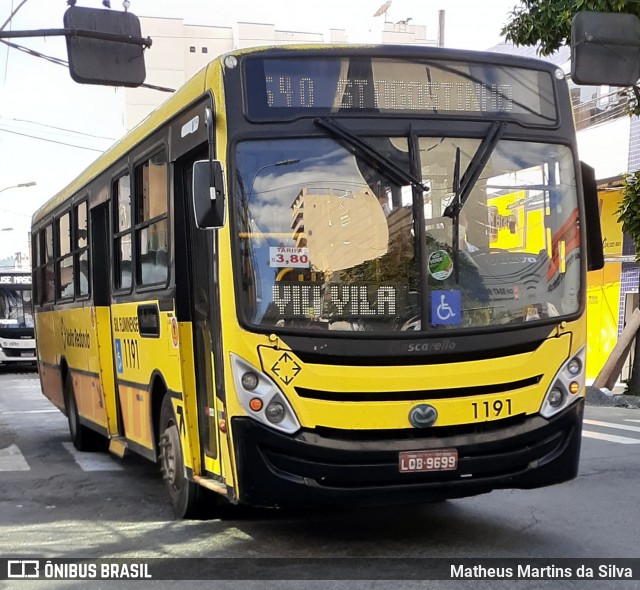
(119, 366)
(445, 308)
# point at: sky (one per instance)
(39, 99)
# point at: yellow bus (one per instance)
(329, 274)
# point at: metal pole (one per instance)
(440, 28)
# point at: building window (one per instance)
(205, 50)
(597, 104)
(192, 49)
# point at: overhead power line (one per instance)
(82, 147)
(59, 128)
(13, 12)
(61, 62)
(34, 53)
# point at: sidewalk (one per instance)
(615, 398)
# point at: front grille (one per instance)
(18, 352)
(435, 432)
(353, 355)
(411, 396)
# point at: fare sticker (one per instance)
(288, 257)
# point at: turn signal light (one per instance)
(574, 387)
(255, 404)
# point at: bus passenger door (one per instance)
(101, 313)
(197, 301)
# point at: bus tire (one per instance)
(187, 498)
(83, 438)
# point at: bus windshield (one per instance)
(326, 241)
(16, 308)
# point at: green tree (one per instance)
(547, 23)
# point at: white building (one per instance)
(179, 50)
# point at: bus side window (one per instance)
(81, 253)
(65, 258)
(151, 205)
(122, 233)
(49, 274)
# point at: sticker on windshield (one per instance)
(440, 265)
(445, 308)
(289, 257)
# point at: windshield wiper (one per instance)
(474, 169)
(395, 172)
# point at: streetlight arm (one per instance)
(21, 185)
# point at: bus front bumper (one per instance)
(275, 469)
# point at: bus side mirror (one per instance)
(605, 49)
(595, 254)
(208, 194)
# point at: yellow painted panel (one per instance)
(382, 415)
(71, 335)
(603, 302)
(137, 357)
(135, 415)
(289, 372)
(611, 230)
(89, 398)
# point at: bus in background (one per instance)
(329, 274)
(17, 341)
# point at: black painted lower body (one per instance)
(275, 469)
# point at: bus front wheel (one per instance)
(188, 499)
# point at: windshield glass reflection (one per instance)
(326, 241)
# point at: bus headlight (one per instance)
(275, 412)
(566, 386)
(253, 386)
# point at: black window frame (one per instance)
(117, 234)
(61, 257)
(47, 261)
(140, 225)
(78, 251)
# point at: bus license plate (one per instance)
(419, 461)
(26, 354)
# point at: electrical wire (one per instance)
(6, 61)
(34, 53)
(61, 62)
(13, 13)
(59, 128)
(82, 147)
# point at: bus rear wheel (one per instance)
(83, 438)
(188, 499)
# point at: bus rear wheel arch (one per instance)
(82, 437)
